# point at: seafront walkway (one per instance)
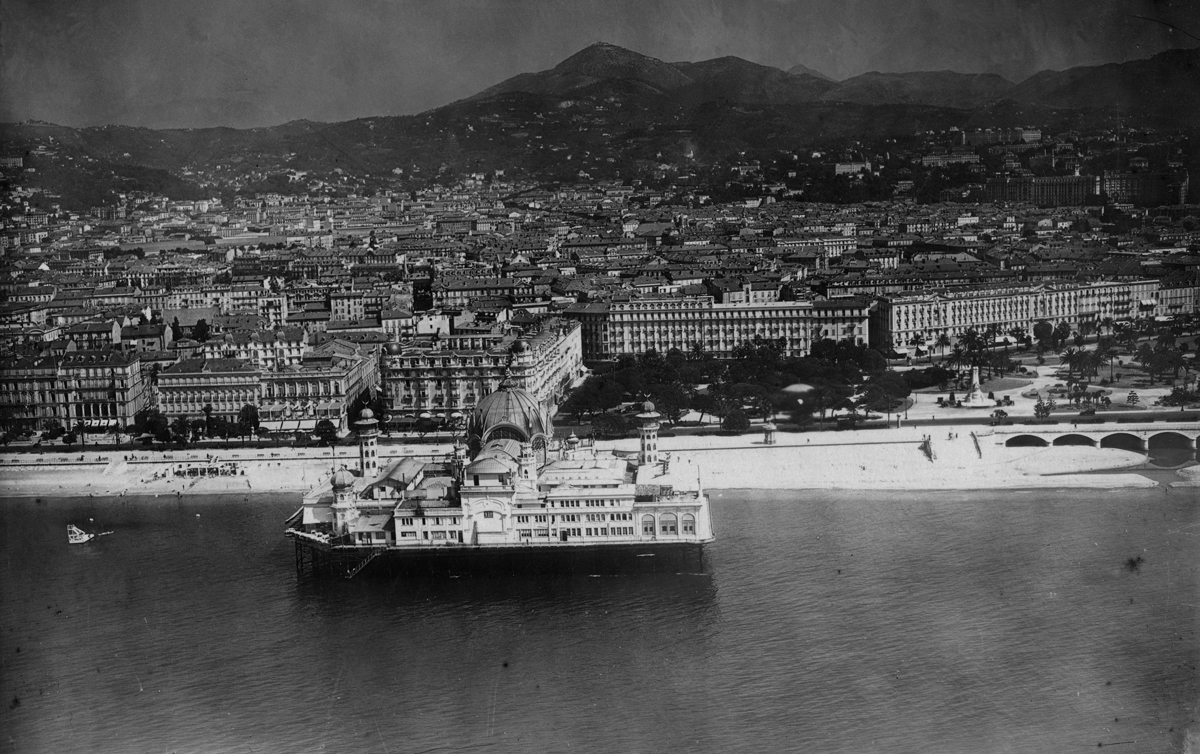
(905, 457)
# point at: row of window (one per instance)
(583, 503)
(433, 521)
(668, 523)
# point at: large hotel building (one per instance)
(919, 317)
(446, 379)
(635, 326)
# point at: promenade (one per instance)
(898, 458)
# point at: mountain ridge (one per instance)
(1161, 84)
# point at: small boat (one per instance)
(77, 536)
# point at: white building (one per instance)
(517, 491)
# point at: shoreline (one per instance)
(849, 460)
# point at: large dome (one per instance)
(508, 413)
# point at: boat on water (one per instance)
(77, 536)
(511, 498)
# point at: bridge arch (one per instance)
(1170, 448)
(1025, 441)
(1074, 439)
(1124, 441)
(1171, 439)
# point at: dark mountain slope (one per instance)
(934, 88)
(1165, 88)
(739, 80)
(803, 69)
(590, 65)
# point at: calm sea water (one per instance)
(823, 622)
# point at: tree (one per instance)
(1131, 399)
(825, 397)
(1043, 331)
(872, 361)
(1062, 331)
(1150, 359)
(1071, 358)
(69, 439)
(611, 424)
(943, 342)
(176, 330)
(736, 421)
(208, 419)
(247, 420)
(150, 421)
(200, 331)
(180, 429)
(885, 390)
(1041, 410)
(326, 433)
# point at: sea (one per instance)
(819, 621)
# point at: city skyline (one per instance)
(208, 64)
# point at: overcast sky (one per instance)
(177, 63)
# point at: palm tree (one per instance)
(1148, 357)
(1106, 354)
(1019, 334)
(943, 342)
(958, 358)
(1107, 323)
(1070, 357)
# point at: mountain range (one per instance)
(606, 112)
(1166, 85)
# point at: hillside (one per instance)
(798, 69)
(1164, 88)
(604, 112)
(934, 88)
(732, 78)
(591, 65)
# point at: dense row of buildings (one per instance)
(309, 306)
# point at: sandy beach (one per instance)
(895, 459)
(864, 459)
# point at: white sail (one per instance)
(76, 536)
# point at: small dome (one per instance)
(647, 408)
(394, 349)
(366, 414)
(343, 479)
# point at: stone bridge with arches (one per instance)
(1142, 437)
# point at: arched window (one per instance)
(648, 525)
(689, 523)
(667, 524)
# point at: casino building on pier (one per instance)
(511, 487)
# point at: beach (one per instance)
(895, 458)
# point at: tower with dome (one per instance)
(513, 489)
